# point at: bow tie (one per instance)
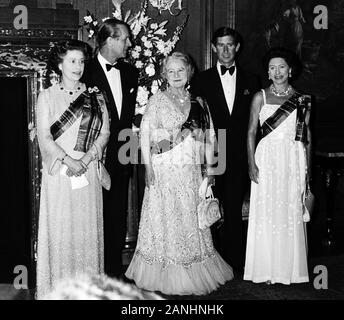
(225, 69)
(109, 66)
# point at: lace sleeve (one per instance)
(52, 154)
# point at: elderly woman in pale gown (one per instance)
(173, 255)
(72, 129)
(276, 240)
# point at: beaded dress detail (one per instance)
(173, 255)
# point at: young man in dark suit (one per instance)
(228, 91)
(119, 81)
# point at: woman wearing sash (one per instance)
(173, 255)
(72, 130)
(276, 241)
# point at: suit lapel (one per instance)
(101, 78)
(124, 92)
(217, 89)
(239, 87)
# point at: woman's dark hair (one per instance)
(110, 28)
(226, 31)
(289, 56)
(59, 50)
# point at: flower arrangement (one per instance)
(91, 24)
(166, 5)
(150, 46)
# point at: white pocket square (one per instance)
(246, 92)
(131, 90)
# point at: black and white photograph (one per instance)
(189, 152)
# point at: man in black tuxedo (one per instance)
(119, 81)
(228, 91)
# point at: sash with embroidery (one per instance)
(87, 105)
(197, 122)
(298, 101)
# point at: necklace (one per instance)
(70, 92)
(182, 99)
(283, 93)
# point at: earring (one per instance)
(289, 73)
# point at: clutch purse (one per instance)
(308, 204)
(103, 175)
(208, 211)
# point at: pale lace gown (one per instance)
(173, 255)
(276, 243)
(70, 234)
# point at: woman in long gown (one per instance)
(72, 129)
(276, 241)
(173, 255)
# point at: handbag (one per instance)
(103, 175)
(208, 210)
(308, 204)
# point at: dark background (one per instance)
(15, 203)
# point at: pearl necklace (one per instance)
(283, 93)
(71, 92)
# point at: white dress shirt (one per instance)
(228, 84)
(114, 78)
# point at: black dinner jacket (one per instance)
(207, 84)
(94, 76)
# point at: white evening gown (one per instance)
(70, 231)
(276, 240)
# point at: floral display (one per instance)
(150, 45)
(167, 5)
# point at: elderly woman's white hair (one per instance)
(178, 56)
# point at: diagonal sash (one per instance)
(296, 101)
(68, 117)
(91, 123)
(301, 126)
(198, 119)
(87, 105)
